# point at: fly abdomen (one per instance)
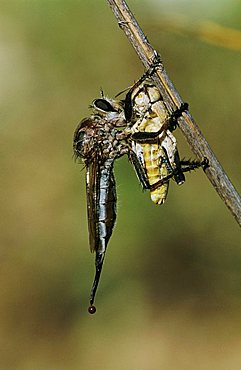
(156, 170)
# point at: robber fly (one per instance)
(98, 141)
(152, 140)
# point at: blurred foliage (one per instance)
(170, 292)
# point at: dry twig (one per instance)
(195, 138)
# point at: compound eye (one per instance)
(103, 105)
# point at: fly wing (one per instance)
(92, 195)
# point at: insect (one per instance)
(152, 140)
(139, 126)
(98, 142)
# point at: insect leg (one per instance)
(128, 104)
(189, 165)
(145, 137)
(178, 172)
(186, 166)
(172, 122)
(139, 170)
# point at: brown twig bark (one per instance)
(188, 126)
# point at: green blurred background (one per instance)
(169, 296)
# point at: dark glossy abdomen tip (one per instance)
(92, 310)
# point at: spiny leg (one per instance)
(186, 166)
(190, 165)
